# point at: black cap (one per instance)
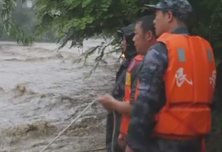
(126, 31)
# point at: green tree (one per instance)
(78, 20)
(18, 22)
(8, 24)
(75, 20)
(207, 22)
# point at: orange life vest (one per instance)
(189, 84)
(127, 97)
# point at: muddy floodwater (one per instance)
(42, 90)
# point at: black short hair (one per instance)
(147, 23)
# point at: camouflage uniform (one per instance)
(119, 88)
(151, 96)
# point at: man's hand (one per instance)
(128, 149)
(107, 101)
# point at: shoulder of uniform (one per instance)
(157, 54)
(159, 47)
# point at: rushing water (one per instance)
(42, 90)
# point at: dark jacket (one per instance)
(119, 87)
(118, 93)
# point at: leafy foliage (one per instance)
(18, 23)
(75, 20)
(78, 20)
(8, 24)
(207, 22)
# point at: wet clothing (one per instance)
(149, 103)
(118, 93)
(119, 87)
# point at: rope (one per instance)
(69, 125)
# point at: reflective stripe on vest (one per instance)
(127, 97)
(189, 84)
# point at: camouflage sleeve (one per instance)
(151, 97)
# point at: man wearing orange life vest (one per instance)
(177, 81)
(143, 39)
